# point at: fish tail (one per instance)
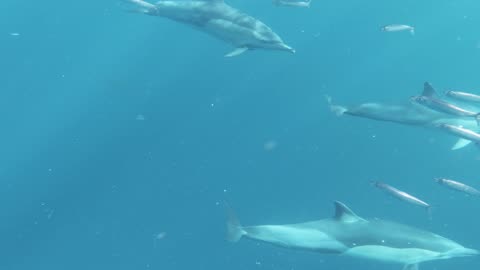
(235, 230)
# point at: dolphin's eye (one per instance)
(422, 99)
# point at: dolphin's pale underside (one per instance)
(348, 234)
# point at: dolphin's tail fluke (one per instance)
(235, 230)
(336, 109)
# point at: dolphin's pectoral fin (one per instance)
(461, 143)
(344, 214)
(411, 267)
(428, 90)
(237, 51)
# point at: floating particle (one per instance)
(270, 145)
(160, 235)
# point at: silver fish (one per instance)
(458, 186)
(463, 96)
(292, 3)
(461, 132)
(398, 28)
(401, 195)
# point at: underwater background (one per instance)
(123, 134)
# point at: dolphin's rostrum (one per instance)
(220, 20)
(346, 233)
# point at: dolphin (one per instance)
(347, 233)
(220, 20)
(411, 114)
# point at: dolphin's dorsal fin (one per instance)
(344, 214)
(428, 90)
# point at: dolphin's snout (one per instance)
(473, 252)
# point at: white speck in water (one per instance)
(160, 235)
(140, 117)
(50, 213)
(14, 34)
(270, 145)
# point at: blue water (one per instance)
(123, 134)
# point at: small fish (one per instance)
(458, 186)
(292, 3)
(463, 96)
(401, 195)
(461, 132)
(398, 28)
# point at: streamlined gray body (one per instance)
(348, 234)
(408, 114)
(401, 195)
(455, 185)
(220, 20)
(293, 3)
(463, 96)
(398, 28)
(461, 132)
